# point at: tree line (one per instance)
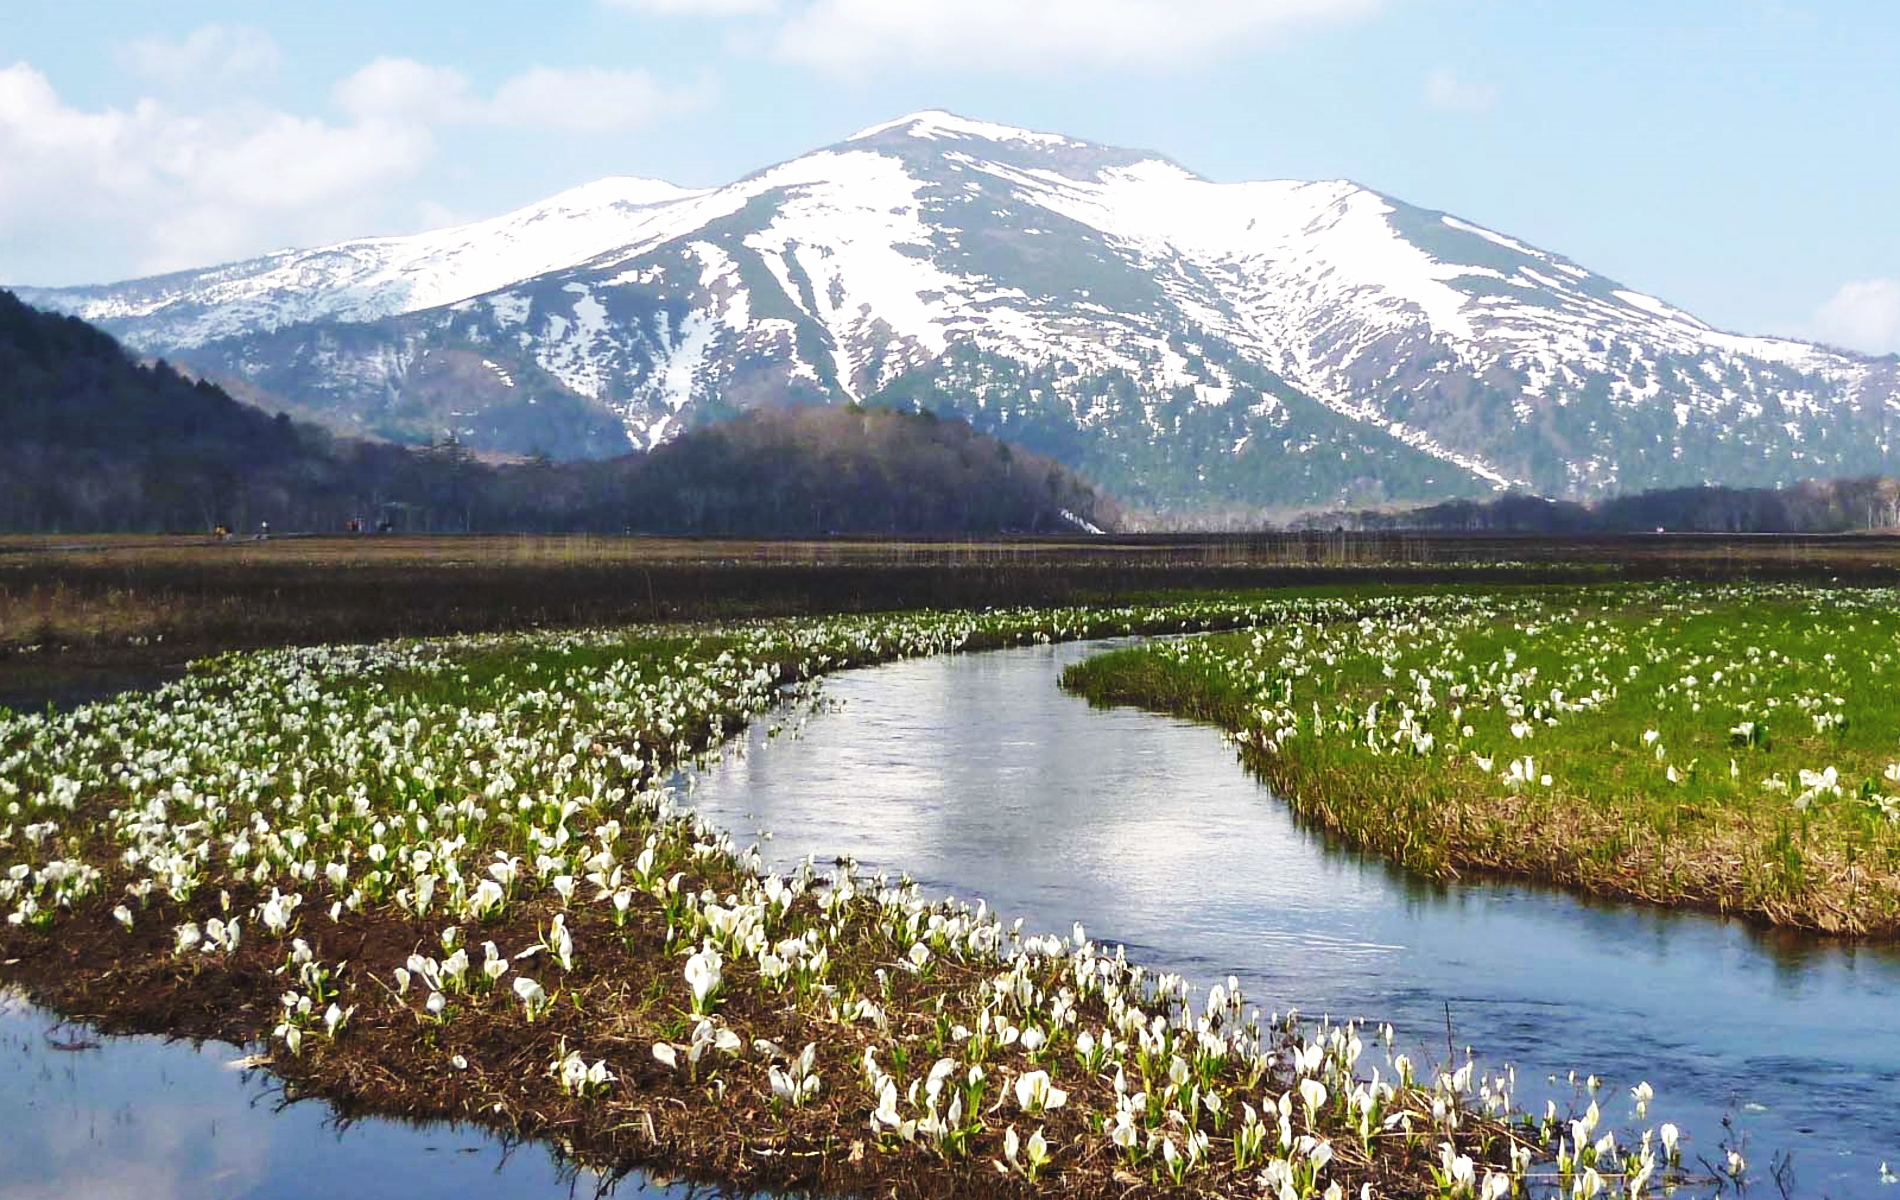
(1810, 506)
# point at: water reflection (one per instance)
(27, 686)
(145, 1119)
(978, 776)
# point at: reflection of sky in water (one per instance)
(979, 777)
(141, 1119)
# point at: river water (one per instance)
(980, 777)
(139, 1118)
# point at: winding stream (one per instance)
(980, 777)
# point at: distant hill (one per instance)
(95, 441)
(856, 469)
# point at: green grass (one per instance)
(1667, 744)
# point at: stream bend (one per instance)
(979, 777)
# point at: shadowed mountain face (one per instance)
(1185, 343)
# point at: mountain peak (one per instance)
(933, 136)
(936, 124)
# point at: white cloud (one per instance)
(856, 36)
(1444, 90)
(211, 55)
(164, 184)
(590, 100)
(404, 90)
(1863, 315)
(156, 188)
(285, 163)
(695, 8)
(587, 100)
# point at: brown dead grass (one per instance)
(1449, 832)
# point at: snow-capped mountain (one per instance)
(375, 277)
(1187, 343)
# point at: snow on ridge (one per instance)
(936, 124)
(1330, 238)
(1160, 205)
(1313, 280)
(371, 278)
(1803, 355)
(1493, 236)
(845, 214)
(1786, 351)
(617, 189)
(1656, 308)
(1328, 241)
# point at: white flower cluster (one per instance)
(1479, 679)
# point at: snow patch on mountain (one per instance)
(566, 349)
(1655, 307)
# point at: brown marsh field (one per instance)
(86, 615)
(144, 601)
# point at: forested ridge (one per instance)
(95, 441)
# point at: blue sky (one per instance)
(1736, 157)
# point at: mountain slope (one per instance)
(1184, 342)
(97, 442)
(372, 277)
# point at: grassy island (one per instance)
(1731, 748)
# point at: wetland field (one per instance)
(448, 830)
(113, 600)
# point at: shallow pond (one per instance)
(980, 777)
